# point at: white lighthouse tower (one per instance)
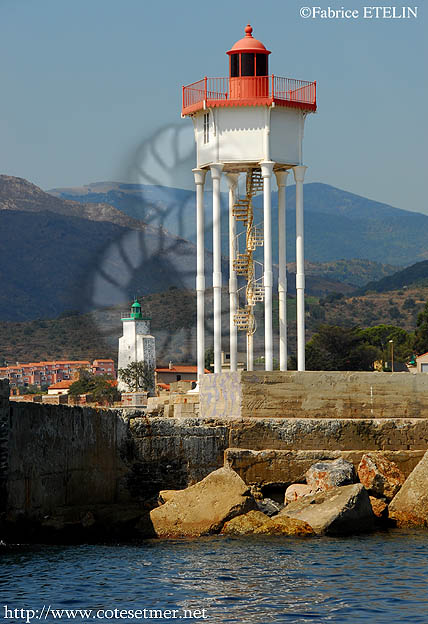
(136, 344)
(250, 123)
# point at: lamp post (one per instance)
(391, 342)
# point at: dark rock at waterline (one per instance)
(269, 506)
(74, 525)
(284, 525)
(245, 524)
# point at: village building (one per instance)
(422, 363)
(61, 387)
(177, 372)
(52, 372)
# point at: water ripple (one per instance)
(377, 579)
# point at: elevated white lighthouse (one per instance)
(250, 123)
(136, 344)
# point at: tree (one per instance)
(101, 387)
(138, 376)
(104, 390)
(83, 385)
(380, 335)
(340, 348)
(421, 332)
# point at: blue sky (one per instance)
(86, 83)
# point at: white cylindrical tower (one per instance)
(250, 122)
(136, 344)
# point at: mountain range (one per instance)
(60, 255)
(338, 224)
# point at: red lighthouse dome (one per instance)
(248, 67)
(248, 43)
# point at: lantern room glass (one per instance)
(248, 64)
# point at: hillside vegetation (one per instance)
(415, 275)
(173, 312)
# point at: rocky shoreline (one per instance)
(332, 499)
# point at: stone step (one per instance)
(335, 434)
(273, 467)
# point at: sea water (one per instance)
(376, 579)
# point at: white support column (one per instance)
(267, 169)
(281, 179)
(200, 269)
(299, 175)
(216, 170)
(232, 181)
(250, 352)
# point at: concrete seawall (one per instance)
(61, 456)
(59, 460)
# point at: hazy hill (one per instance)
(59, 255)
(415, 275)
(354, 272)
(396, 307)
(394, 300)
(50, 263)
(338, 224)
(19, 194)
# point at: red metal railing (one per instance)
(216, 91)
(292, 90)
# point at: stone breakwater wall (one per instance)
(291, 394)
(4, 442)
(62, 456)
(55, 456)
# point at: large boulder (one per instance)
(295, 491)
(410, 506)
(282, 525)
(381, 477)
(344, 510)
(245, 524)
(202, 509)
(326, 475)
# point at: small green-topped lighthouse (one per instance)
(136, 344)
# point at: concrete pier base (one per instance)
(293, 394)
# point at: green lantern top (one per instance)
(136, 313)
(136, 310)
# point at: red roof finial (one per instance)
(248, 43)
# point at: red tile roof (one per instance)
(61, 385)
